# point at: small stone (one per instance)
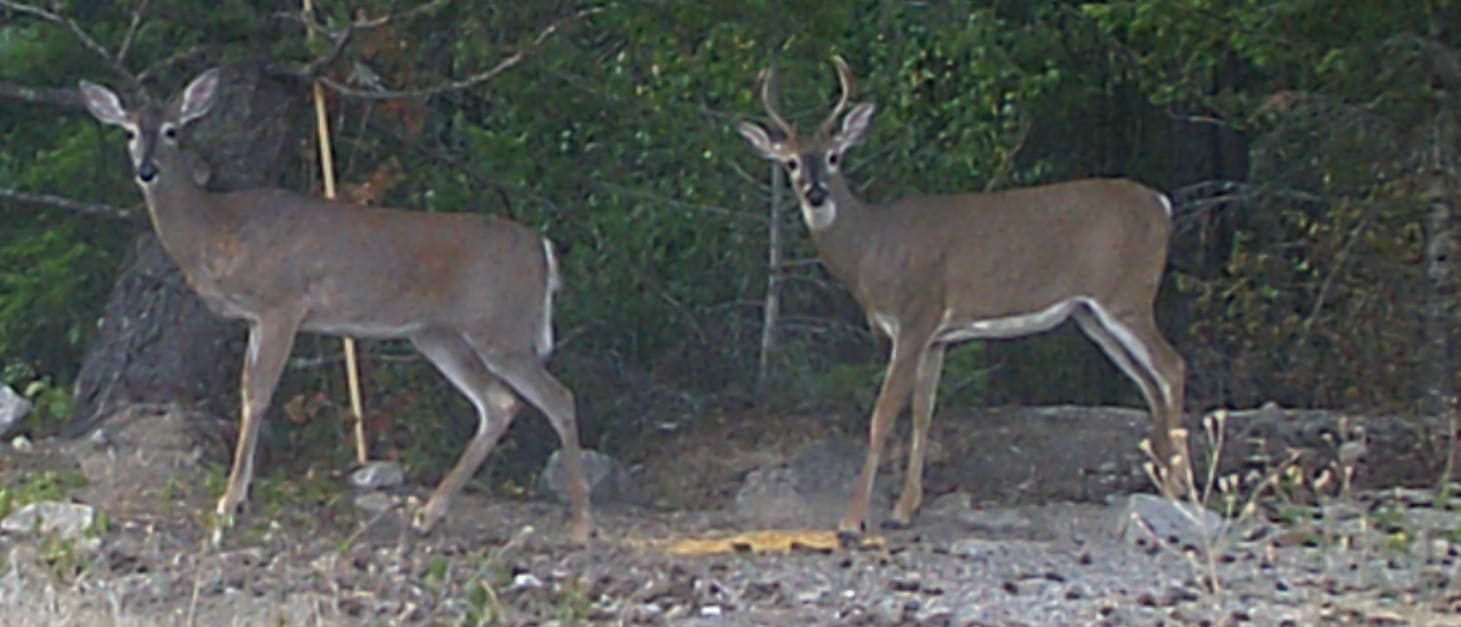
(378, 475)
(973, 547)
(21, 443)
(889, 610)
(526, 581)
(374, 502)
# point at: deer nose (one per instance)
(147, 171)
(816, 195)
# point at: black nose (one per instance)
(816, 195)
(147, 172)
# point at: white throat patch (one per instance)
(819, 218)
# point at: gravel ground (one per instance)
(306, 554)
(1055, 564)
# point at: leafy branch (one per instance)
(76, 206)
(512, 60)
(115, 61)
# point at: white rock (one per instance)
(13, 407)
(526, 580)
(378, 475)
(66, 520)
(374, 502)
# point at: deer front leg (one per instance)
(890, 401)
(925, 393)
(271, 337)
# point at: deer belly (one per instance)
(952, 329)
(377, 325)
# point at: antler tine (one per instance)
(844, 78)
(767, 75)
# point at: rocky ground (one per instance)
(1020, 529)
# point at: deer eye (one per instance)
(832, 159)
(170, 132)
(131, 134)
(792, 164)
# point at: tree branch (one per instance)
(177, 57)
(75, 206)
(85, 39)
(131, 31)
(504, 65)
(364, 24)
(55, 96)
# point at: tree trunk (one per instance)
(157, 341)
(771, 315)
(1440, 389)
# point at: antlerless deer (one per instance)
(472, 293)
(931, 271)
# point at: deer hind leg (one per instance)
(527, 376)
(271, 338)
(925, 393)
(891, 398)
(496, 406)
(1140, 350)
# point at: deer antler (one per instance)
(844, 78)
(767, 75)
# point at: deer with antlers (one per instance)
(936, 270)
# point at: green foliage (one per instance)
(50, 286)
(36, 486)
(1319, 289)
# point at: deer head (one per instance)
(813, 162)
(153, 132)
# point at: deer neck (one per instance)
(183, 215)
(839, 228)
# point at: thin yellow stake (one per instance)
(327, 173)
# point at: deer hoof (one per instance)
(579, 532)
(849, 535)
(896, 524)
(424, 520)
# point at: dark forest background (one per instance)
(1310, 147)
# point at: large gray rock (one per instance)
(609, 483)
(811, 490)
(13, 407)
(1147, 518)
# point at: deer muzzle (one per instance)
(816, 195)
(147, 171)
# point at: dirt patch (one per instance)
(997, 543)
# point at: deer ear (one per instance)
(854, 126)
(198, 97)
(102, 103)
(760, 140)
